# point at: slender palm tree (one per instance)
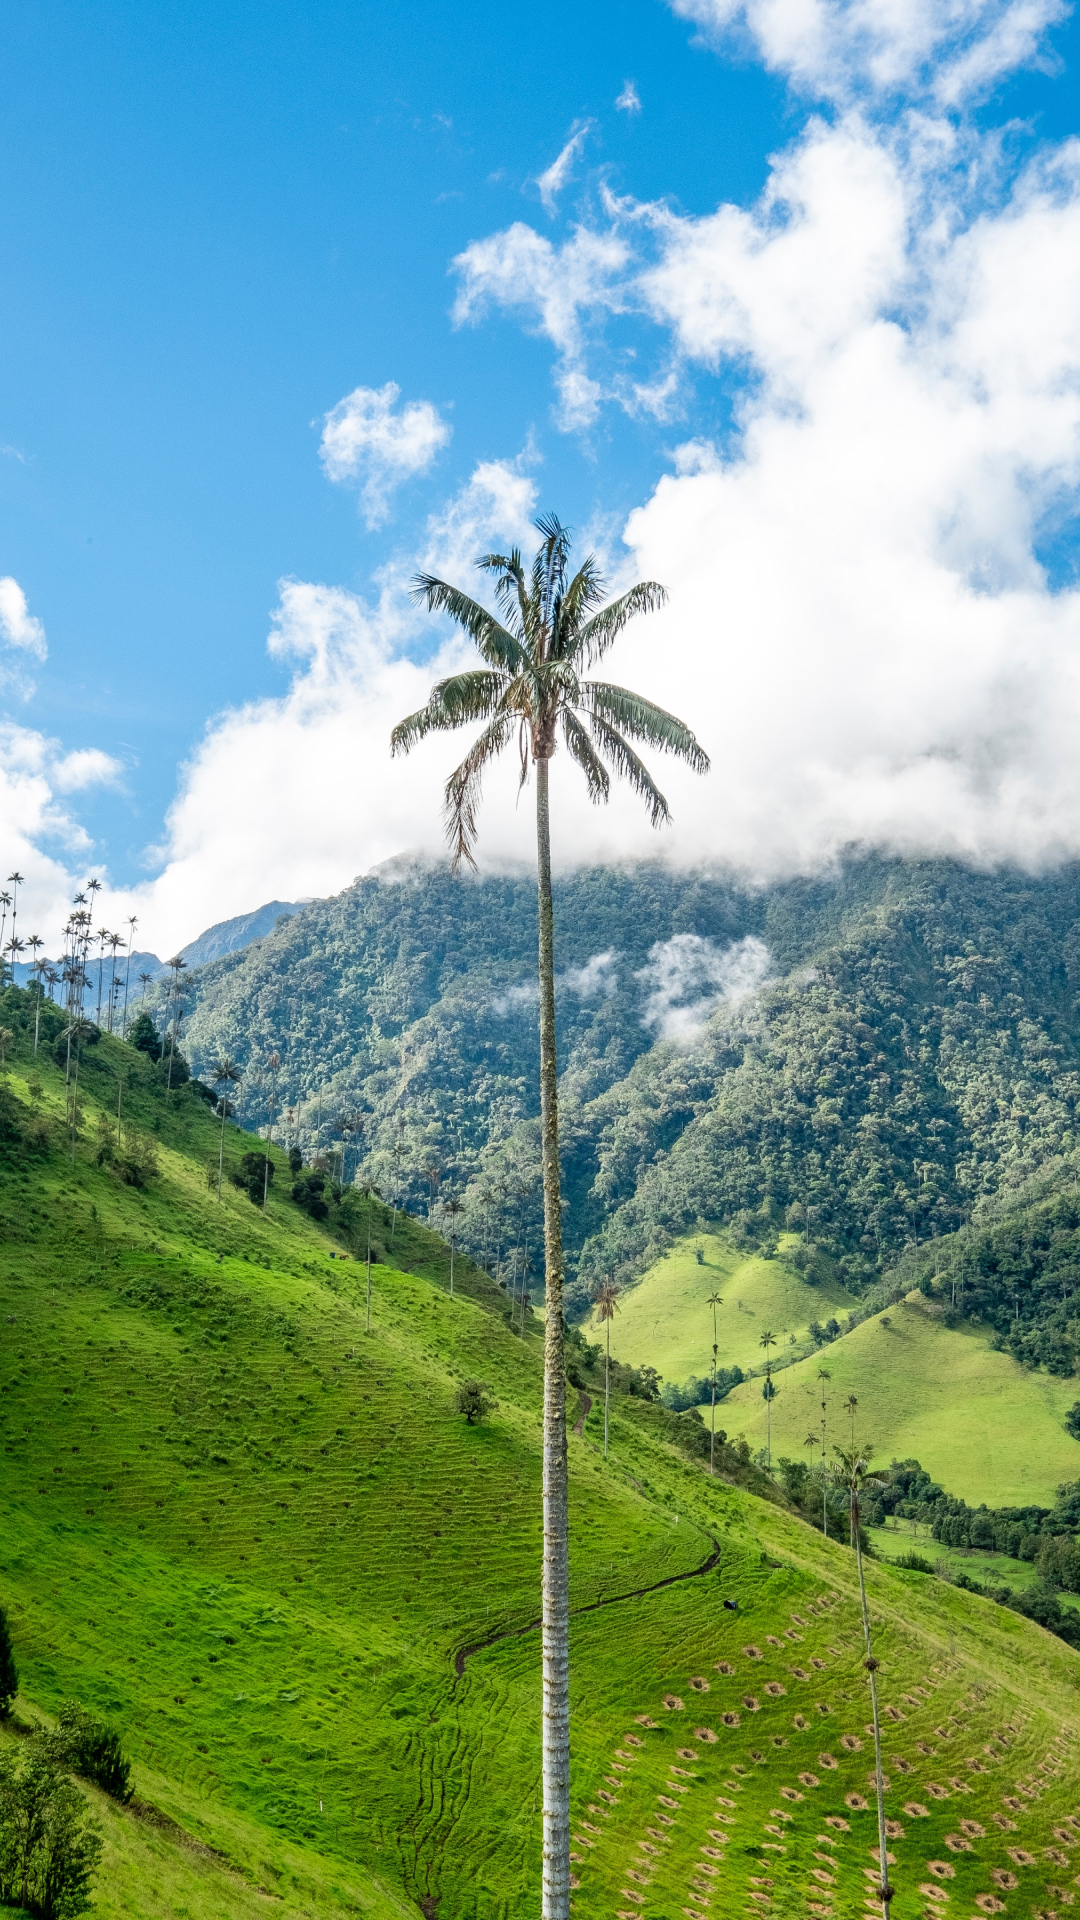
(16, 880)
(529, 689)
(5, 902)
(272, 1064)
(607, 1305)
(824, 1376)
(132, 924)
(854, 1474)
(851, 1405)
(225, 1074)
(768, 1391)
(453, 1207)
(369, 1192)
(7, 1039)
(172, 999)
(714, 1301)
(35, 943)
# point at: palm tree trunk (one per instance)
(607, 1384)
(871, 1668)
(221, 1146)
(556, 1622)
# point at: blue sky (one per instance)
(217, 222)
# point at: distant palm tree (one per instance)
(272, 1064)
(768, 1392)
(16, 880)
(529, 688)
(225, 1074)
(370, 1192)
(172, 1000)
(824, 1376)
(454, 1207)
(132, 924)
(852, 1406)
(854, 1465)
(607, 1305)
(714, 1301)
(7, 1039)
(35, 943)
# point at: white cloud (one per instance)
(86, 767)
(687, 978)
(560, 288)
(553, 180)
(21, 632)
(629, 100)
(837, 49)
(597, 979)
(38, 834)
(368, 439)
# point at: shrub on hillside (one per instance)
(88, 1746)
(471, 1399)
(9, 1674)
(144, 1036)
(308, 1193)
(254, 1176)
(49, 1846)
(132, 1158)
(296, 1160)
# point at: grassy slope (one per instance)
(983, 1426)
(256, 1538)
(663, 1321)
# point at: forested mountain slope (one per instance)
(881, 1047)
(303, 1587)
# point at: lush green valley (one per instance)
(262, 1542)
(864, 1057)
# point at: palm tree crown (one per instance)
(552, 629)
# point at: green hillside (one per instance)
(265, 1545)
(982, 1425)
(663, 1321)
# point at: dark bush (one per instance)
(308, 1193)
(9, 1674)
(88, 1746)
(471, 1399)
(144, 1036)
(296, 1160)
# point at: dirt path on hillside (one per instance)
(584, 1406)
(610, 1600)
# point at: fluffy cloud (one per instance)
(21, 635)
(561, 289)
(629, 100)
(835, 49)
(293, 796)
(40, 836)
(368, 440)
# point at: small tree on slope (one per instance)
(9, 1674)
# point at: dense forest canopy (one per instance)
(868, 1055)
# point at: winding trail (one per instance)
(464, 1654)
(585, 1404)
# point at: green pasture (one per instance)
(984, 1427)
(263, 1543)
(664, 1321)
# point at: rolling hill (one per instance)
(305, 1590)
(983, 1426)
(664, 1321)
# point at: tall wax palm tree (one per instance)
(768, 1391)
(714, 1301)
(177, 964)
(854, 1475)
(225, 1074)
(369, 1192)
(16, 880)
(454, 1207)
(5, 902)
(132, 924)
(116, 941)
(529, 688)
(824, 1376)
(35, 943)
(607, 1304)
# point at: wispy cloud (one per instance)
(554, 179)
(22, 638)
(629, 100)
(369, 440)
(687, 978)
